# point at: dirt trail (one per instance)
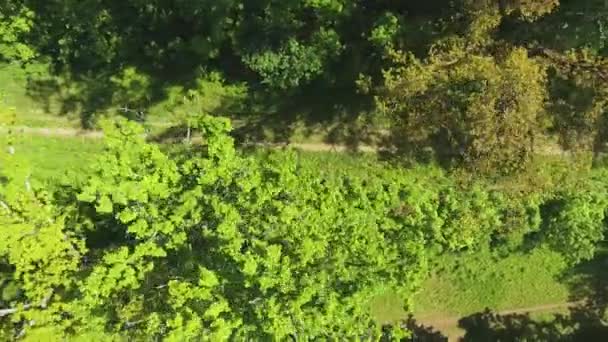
(548, 149)
(53, 132)
(545, 149)
(73, 132)
(449, 325)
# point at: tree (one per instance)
(575, 223)
(208, 247)
(16, 21)
(478, 109)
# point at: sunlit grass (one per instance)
(461, 285)
(51, 159)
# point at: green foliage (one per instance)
(210, 95)
(286, 253)
(578, 97)
(40, 251)
(15, 22)
(531, 9)
(576, 223)
(385, 29)
(106, 55)
(210, 244)
(295, 63)
(469, 218)
(480, 110)
(132, 88)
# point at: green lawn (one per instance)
(462, 285)
(51, 159)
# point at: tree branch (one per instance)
(42, 305)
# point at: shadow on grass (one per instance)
(418, 332)
(334, 113)
(580, 324)
(423, 333)
(586, 321)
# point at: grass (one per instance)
(387, 308)
(462, 285)
(52, 159)
(30, 112)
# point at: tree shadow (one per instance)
(324, 112)
(423, 333)
(87, 95)
(418, 332)
(85, 99)
(489, 326)
(586, 318)
(580, 324)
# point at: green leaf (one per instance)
(104, 205)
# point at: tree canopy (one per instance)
(209, 244)
(203, 241)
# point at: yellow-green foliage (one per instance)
(15, 21)
(472, 107)
(526, 9)
(532, 9)
(132, 88)
(209, 95)
(579, 94)
(215, 245)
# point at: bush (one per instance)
(575, 223)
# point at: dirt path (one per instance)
(54, 132)
(449, 325)
(72, 132)
(546, 149)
